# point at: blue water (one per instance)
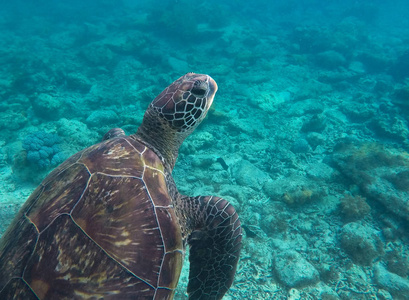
(308, 136)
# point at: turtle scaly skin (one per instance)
(109, 223)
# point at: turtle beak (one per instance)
(212, 90)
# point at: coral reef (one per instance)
(274, 224)
(330, 59)
(354, 208)
(400, 68)
(397, 285)
(400, 180)
(397, 261)
(8, 211)
(316, 123)
(315, 139)
(76, 134)
(374, 169)
(311, 39)
(47, 106)
(43, 149)
(78, 82)
(102, 118)
(386, 126)
(247, 174)
(358, 113)
(374, 62)
(300, 146)
(294, 190)
(362, 243)
(297, 197)
(293, 270)
(400, 96)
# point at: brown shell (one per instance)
(101, 225)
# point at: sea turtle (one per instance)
(109, 223)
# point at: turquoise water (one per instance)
(310, 122)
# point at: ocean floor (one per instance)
(308, 136)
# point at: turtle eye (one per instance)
(199, 88)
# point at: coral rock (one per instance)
(247, 174)
(47, 107)
(100, 118)
(354, 208)
(361, 243)
(396, 285)
(293, 270)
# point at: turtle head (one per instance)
(176, 112)
(184, 104)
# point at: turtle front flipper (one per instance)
(215, 244)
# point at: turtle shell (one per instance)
(100, 226)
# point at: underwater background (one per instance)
(308, 136)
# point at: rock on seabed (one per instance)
(293, 270)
